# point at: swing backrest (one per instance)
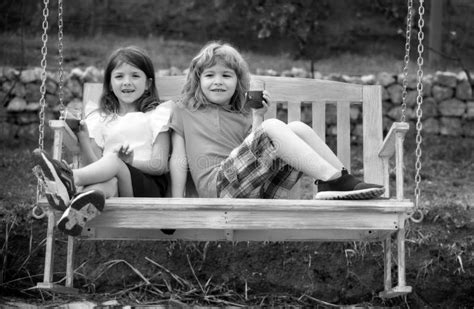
(295, 93)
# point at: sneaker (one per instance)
(347, 187)
(57, 179)
(84, 207)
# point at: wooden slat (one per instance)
(272, 110)
(344, 133)
(388, 147)
(294, 114)
(107, 233)
(235, 219)
(372, 133)
(307, 90)
(64, 136)
(319, 119)
(170, 88)
(188, 204)
(294, 111)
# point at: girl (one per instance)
(232, 152)
(125, 144)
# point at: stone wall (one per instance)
(448, 105)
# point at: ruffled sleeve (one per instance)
(159, 119)
(95, 125)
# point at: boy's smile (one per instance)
(218, 83)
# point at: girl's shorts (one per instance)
(145, 185)
(253, 170)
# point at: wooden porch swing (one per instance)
(295, 219)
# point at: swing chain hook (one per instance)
(406, 60)
(38, 212)
(419, 113)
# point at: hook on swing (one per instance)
(417, 216)
(35, 214)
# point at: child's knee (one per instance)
(273, 124)
(298, 126)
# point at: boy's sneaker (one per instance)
(57, 179)
(84, 207)
(347, 187)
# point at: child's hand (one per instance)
(125, 153)
(83, 129)
(266, 104)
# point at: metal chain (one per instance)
(44, 53)
(406, 60)
(60, 59)
(419, 113)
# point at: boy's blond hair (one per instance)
(210, 54)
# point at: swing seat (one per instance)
(292, 219)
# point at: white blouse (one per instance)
(137, 129)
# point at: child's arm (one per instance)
(158, 163)
(258, 114)
(90, 152)
(178, 166)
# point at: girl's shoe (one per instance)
(84, 207)
(347, 187)
(57, 179)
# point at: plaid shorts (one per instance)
(253, 170)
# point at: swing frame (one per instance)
(292, 219)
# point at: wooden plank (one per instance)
(294, 111)
(64, 136)
(319, 119)
(57, 288)
(294, 114)
(234, 219)
(170, 87)
(188, 204)
(387, 248)
(70, 262)
(49, 250)
(272, 110)
(307, 90)
(388, 147)
(372, 133)
(112, 233)
(344, 133)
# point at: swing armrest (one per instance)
(396, 134)
(392, 146)
(63, 135)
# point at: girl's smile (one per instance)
(218, 83)
(128, 84)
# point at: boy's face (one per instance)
(218, 83)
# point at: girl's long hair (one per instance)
(212, 53)
(138, 58)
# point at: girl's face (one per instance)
(128, 84)
(218, 83)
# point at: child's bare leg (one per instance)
(310, 137)
(298, 153)
(106, 168)
(109, 188)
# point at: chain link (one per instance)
(419, 113)
(406, 60)
(44, 53)
(60, 59)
